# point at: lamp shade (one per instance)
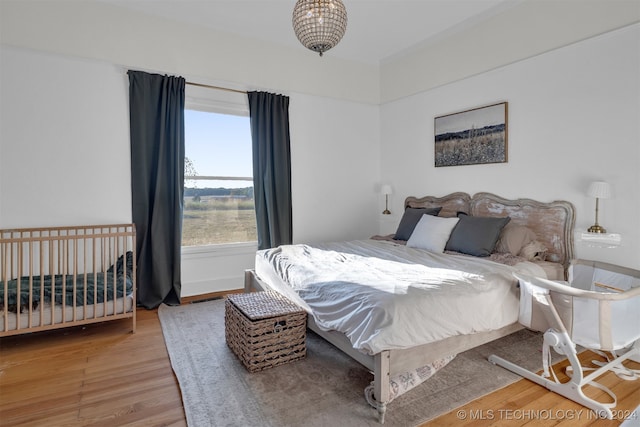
(386, 189)
(599, 189)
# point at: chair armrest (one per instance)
(564, 288)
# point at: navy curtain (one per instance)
(269, 115)
(156, 109)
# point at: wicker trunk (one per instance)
(264, 329)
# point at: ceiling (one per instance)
(377, 30)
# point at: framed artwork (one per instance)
(472, 137)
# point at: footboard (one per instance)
(57, 277)
(389, 363)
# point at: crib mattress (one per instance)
(54, 315)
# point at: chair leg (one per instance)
(571, 389)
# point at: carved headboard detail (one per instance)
(451, 204)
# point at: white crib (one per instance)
(597, 309)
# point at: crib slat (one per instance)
(95, 276)
(30, 302)
(63, 271)
(41, 305)
(74, 264)
(4, 253)
(18, 284)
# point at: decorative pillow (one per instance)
(431, 233)
(476, 235)
(534, 251)
(513, 238)
(409, 220)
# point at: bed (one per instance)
(442, 262)
(55, 277)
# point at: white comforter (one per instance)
(387, 296)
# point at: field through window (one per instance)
(218, 195)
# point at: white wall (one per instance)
(573, 118)
(64, 138)
(523, 29)
(64, 150)
(335, 164)
(330, 200)
(98, 30)
(335, 156)
(67, 110)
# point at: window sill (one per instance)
(223, 249)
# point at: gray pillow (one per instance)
(409, 220)
(476, 235)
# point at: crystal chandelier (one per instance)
(319, 24)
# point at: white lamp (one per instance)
(386, 190)
(599, 190)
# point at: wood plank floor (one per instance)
(97, 375)
(103, 375)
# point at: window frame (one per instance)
(218, 102)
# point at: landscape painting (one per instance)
(472, 137)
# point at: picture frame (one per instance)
(471, 137)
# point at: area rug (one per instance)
(325, 388)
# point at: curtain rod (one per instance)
(216, 87)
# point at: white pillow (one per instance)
(432, 233)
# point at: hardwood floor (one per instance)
(524, 403)
(103, 375)
(97, 375)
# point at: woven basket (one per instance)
(264, 329)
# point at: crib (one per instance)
(55, 277)
(597, 309)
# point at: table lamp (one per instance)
(599, 190)
(386, 190)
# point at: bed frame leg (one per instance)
(382, 410)
(377, 393)
(381, 407)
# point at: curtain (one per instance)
(156, 109)
(269, 116)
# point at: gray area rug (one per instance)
(324, 389)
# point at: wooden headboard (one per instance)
(450, 204)
(553, 222)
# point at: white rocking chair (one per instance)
(598, 309)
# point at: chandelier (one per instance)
(319, 24)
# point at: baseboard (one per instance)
(211, 286)
(208, 296)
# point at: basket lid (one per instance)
(263, 304)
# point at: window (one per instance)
(218, 194)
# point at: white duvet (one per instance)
(383, 296)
